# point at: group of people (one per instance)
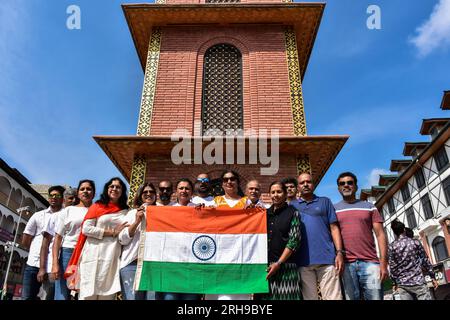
(90, 249)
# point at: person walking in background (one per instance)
(129, 238)
(66, 233)
(32, 240)
(320, 255)
(407, 263)
(364, 273)
(97, 252)
(283, 235)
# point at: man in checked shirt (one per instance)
(407, 263)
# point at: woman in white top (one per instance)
(68, 228)
(129, 239)
(94, 265)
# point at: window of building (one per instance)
(405, 193)
(391, 206)
(427, 208)
(410, 217)
(420, 178)
(446, 188)
(222, 90)
(440, 249)
(441, 159)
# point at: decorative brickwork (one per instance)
(295, 84)
(137, 176)
(303, 164)
(148, 92)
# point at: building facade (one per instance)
(419, 193)
(218, 66)
(15, 193)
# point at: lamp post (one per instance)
(12, 245)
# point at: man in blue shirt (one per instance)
(320, 255)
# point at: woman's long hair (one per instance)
(238, 178)
(104, 198)
(137, 202)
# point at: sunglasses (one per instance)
(203, 180)
(165, 189)
(231, 179)
(349, 183)
(55, 196)
(148, 192)
(113, 186)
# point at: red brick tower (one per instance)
(231, 65)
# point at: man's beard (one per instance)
(164, 197)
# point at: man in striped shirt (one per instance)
(364, 272)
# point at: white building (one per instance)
(419, 194)
(15, 192)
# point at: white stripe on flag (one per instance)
(229, 248)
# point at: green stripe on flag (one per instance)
(204, 278)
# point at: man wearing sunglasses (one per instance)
(202, 190)
(165, 190)
(32, 238)
(364, 272)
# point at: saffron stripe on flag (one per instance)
(215, 221)
(204, 278)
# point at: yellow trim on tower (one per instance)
(137, 176)
(295, 83)
(148, 91)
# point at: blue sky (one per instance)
(60, 87)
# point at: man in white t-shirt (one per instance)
(32, 239)
(202, 190)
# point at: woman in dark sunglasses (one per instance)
(231, 199)
(129, 239)
(233, 194)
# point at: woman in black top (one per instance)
(283, 235)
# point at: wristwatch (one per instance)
(341, 251)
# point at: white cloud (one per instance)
(374, 176)
(435, 32)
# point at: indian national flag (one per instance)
(210, 251)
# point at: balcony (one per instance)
(428, 225)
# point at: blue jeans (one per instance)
(127, 275)
(30, 284)
(61, 290)
(362, 280)
(176, 296)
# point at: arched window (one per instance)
(440, 249)
(222, 90)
